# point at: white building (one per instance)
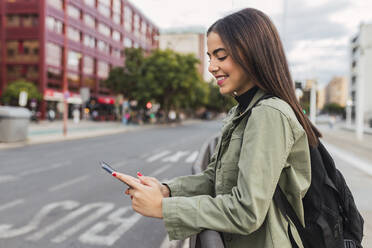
(360, 88)
(187, 41)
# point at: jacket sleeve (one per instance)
(267, 141)
(200, 184)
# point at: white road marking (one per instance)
(43, 169)
(161, 170)
(103, 208)
(157, 156)
(124, 223)
(175, 157)
(68, 183)
(11, 204)
(351, 159)
(192, 157)
(6, 230)
(174, 243)
(7, 178)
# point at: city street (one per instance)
(56, 194)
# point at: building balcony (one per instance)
(23, 7)
(24, 33)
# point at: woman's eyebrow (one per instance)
(216, 51)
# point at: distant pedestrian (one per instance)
(264, 143)
(51, 115)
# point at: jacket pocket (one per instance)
(229, 176)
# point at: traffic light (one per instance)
(148, 105)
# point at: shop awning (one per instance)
(54, 95)
(106, 100)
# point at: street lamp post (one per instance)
(65, 85)
(313, 102)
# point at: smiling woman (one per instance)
(264, 143)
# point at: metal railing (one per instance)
(206, 238)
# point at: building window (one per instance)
(54, 24)
(136, 25)
(116, 53)
(58, 4)
(53, 54)
(88, 65)
(116, 6)
(127, 42)
(128, 19)
(91, 3)
(103, 29)
(116, 35)
(73, 34)
(103, 47)
(73, 60)
(13, 21)
(103, 7)
(73, 11)
(30, 21)
(116, 18)
(102, 69)
(89, 21)
(89, 41)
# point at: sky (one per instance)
(316, 33)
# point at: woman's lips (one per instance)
(220, 81)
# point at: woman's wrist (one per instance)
(165, 190)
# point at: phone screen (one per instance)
(109, 169)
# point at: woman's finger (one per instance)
(129, 180)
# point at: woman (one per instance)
(234, 195)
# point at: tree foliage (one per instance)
(165, 77)
(12, 91)
(334, 108)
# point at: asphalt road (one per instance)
(56, 195)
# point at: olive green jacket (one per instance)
(234, 194)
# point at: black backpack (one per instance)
(332, 219)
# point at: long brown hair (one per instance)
(252, 40)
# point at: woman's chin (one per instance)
(225, 92)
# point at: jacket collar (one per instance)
(237, 116)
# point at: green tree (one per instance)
(172, 80)
(11, 93)
(334, 108)
(125, 80)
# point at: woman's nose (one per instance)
(212, 68)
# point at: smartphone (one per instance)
(109, 169)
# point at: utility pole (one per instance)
(313, 102)
(65, 84)
(359, 108)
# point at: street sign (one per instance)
(66, 94)
(22, 101)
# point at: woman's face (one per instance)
(229, 75)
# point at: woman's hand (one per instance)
(146, 194)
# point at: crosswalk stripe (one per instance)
(157, 156)
(11, 204)
(192, 157)
(175, 157)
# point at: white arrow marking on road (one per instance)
(7, 232)
(174, 158)
(157, 156)
(116, 218)
(68, 183)
(11, 204)
(7, 178)
(192, 157)
(103, 209)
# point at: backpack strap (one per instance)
(287, 210)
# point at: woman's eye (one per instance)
(222, 58)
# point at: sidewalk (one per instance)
(46, 132)
(346, 140)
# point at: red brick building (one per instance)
(32, 44)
